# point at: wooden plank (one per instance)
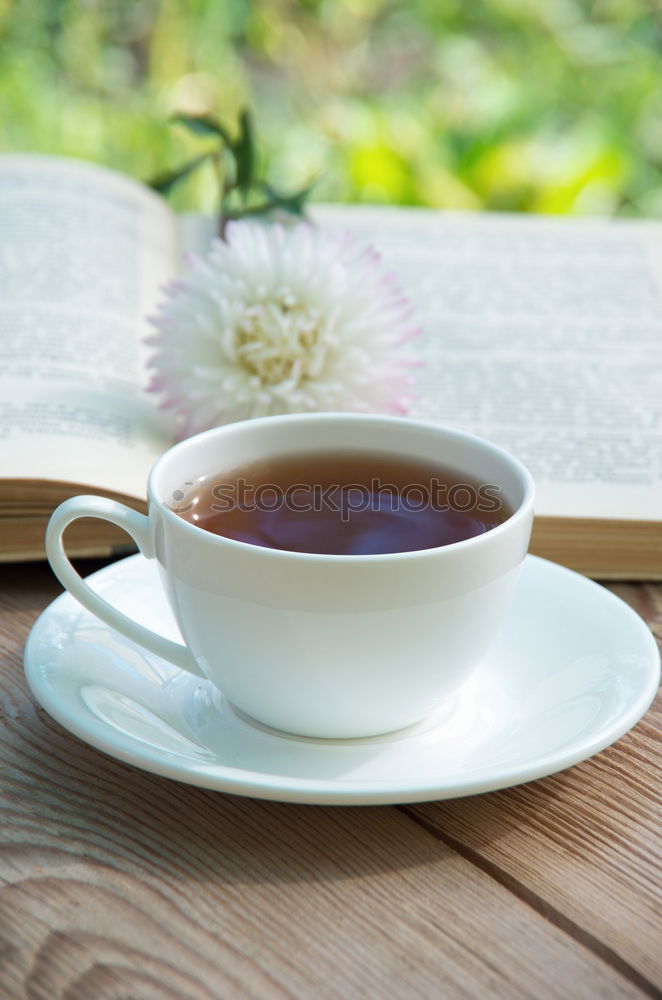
(119, 883)
(583, 847)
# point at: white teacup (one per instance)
(333, 646)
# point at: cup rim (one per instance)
(223, 541)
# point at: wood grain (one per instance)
(582, 846)
(119, 884)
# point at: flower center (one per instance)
(279, 340)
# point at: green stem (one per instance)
(223, 187)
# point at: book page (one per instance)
(542, 334)
(82, 254)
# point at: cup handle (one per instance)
(137, 525)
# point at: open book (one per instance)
(542, 334)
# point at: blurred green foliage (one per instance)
(527, 105)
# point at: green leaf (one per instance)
(244, 153)
(203, 125)
(164, 183)
(293, 203)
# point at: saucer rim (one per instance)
(260, 785)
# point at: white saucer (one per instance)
(573, 670)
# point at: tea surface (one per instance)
(342, 503)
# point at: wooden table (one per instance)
(115, 883)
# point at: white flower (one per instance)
(281, 320)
